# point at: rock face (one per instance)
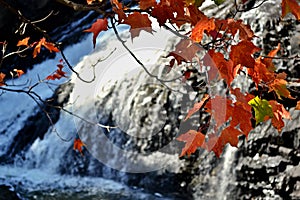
(8, 193)
(268, 163)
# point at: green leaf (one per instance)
(218, 2)
(262, 109)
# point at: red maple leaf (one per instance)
(193, 140)
(242, 98)
(58, 73)
(242, 53)
(290, 6)
(204, 24)
(297, 106)
(2, 76)
(78, 145)
(268, 61)
(279, 112)
(97, 27)
(225, 68)
(241, 116)
(138, 22)
(145, 4)
(279, 86)
(220, 108)
(197, 106)
(228, 135)
(231, 26)
(260, 73)
(118, 8)
(185, 50)
(194, 15)
(162, 13)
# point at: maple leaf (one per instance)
(242, 98)
(19, 72)
(138, 22)
(262, 108)
(297, 106)
(279, 112)
(290, 6)
(50, 46)
(23, 42)
(232, 26)
(220, 108)
(241, 106)
(2, 76)
(197, 106)
(268, 61)
(58, 73)
(279, 86)
(242, 53)
(193, 140)
(260, 72)
(185, 50)
(145, 4)
(194, 15)
(225, 68)
(78, 145)
(228, 135)
(242, 116)
(97, 27)
(162, 13)
(118, 8)
(205, 24)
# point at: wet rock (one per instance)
(7, 192)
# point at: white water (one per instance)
(36, 171)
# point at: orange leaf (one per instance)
(78, 145)
(145, 4)
(97, 27)
(279, 86)
(260, 72)
(228, 135)
(242, 116)
(23, 42)
(185, 50)
(297, 106)
(19, 72)
(205, 24)
(138, 22)
(2, 76)
(194, 15)
(162, 13)
(50, 46)
(225, 68)
(232, 26)
(290, 6)
(279, 112)
(242, 53)
(58, 73)
(220, 108)
(197, 106)
(118, 8)
(268, 61)
(242, 98)
(37, 49)
(193, 140)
